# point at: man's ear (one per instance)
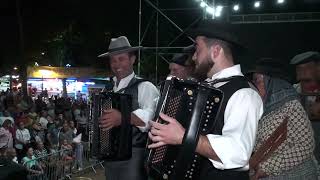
(215, 51)
(133, 59)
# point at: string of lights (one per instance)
(215, 10)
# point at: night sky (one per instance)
(96, 22)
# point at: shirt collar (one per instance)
(123, 82)
(228, 72)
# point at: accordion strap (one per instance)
(270, 145)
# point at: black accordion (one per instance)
(114, 144)
(195, 106)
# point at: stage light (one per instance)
(210, 10)
(236, 7)
(257, 4)
(219, 8)
(280, 1)
(203, 4)
(218, 13)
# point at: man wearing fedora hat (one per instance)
(227, 149)
(121, 58)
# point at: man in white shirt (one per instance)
(228, 147)
(43, 119)
(22, 140)
(144, 98)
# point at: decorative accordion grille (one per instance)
(105, 142)
(174, 100)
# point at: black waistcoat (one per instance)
(208, 171)
(139, 139)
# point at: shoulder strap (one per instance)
(271, 144)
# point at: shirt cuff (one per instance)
(225, 150)
(145, 116)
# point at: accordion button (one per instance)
(169, 172)
(190, 92)
(216, 100)
(191, 169)
(203, 129)
(165, 176)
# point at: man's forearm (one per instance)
(136, 121)
(204, 148)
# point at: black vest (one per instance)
(139, 139)
(208, 171)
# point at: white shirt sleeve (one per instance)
(235, 145)
(19, 135)
(148, 96)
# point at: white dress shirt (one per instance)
(148, 96)
(241, 116)
(23, 135)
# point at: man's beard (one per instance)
(201, 71)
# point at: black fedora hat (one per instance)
(119, 45)
(218, 30)
(272, 67)
(180, 59)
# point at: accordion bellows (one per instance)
(114, 144)
(196, 107)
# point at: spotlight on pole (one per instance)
(217, 14)
(280, 1)
(236, 7)
(218, 11)
(210, 10)
(219, 8)
(203, 4)
(257, 4)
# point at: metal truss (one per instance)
(275, 18)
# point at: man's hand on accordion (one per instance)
(110, 118)
(162, 134)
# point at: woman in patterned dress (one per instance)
(293, 159)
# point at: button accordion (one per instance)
(114, 144)
(195, 106)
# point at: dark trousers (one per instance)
(132, 169)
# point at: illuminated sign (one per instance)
(65, 72)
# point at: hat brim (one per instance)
(280, 75)
(237, 46)
(111, 53)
